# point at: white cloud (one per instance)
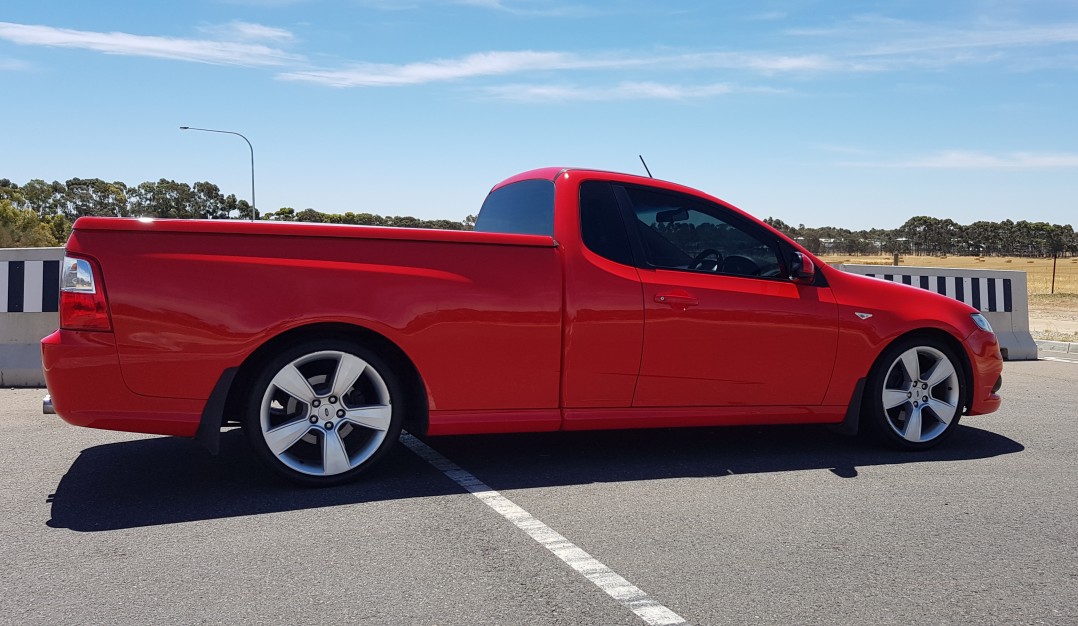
(759, 62)
(200, 51)
(536, 8)
(248, 31)
(620, 91)
(497, 63)
(473, 65)
(264, 3)
(1023, 36)
(485, 4)
(769, 16)
(860, 45)
(964, 159)
(13, 65)
(850, 150)
(890, 44)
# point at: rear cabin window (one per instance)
(523, 208)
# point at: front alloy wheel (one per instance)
(916, 394)
(322, 412)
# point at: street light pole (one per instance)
(254, 211)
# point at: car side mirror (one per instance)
(802, 269)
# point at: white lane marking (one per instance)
(629, 595)
(1055, 358)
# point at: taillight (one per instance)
(82, 297)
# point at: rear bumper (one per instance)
(82, 372)
(987, 365)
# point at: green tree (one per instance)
(22, 228)
(93, 196)
(209, 203)
(283, 214)
(782, 227)
(165, 198)
(310, 215)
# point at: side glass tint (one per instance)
(687, 233)
(602, 227)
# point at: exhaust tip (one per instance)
(46, 406)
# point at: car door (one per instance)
(724, 325)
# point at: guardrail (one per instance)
(1000, 295)
(29, 299)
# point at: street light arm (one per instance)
(254, 210)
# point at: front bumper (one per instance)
(986, 362)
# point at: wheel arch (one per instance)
(234, 384)
(855, 410)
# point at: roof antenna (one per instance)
(645, 165)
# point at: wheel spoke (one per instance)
(326, 413)
(286, 435)
(349, 369)
(941, 371)
(334, 455)
(894, 397)
(375, 417)
(944, 411)
(912, 365)
(912, 431)
(292, 382)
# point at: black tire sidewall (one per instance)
(252, 421)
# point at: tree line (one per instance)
(41, 214)
(931, 236)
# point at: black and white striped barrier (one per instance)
(999, 294)
(29, 299)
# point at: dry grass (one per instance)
(1054, 335)
(1038, 271)
(1056, 302)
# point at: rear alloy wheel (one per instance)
(324, 411)
(915, 394)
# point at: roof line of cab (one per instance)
(552, 173)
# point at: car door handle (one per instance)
(677, 298)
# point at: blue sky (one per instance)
(854, 114)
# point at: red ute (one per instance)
(584, 300)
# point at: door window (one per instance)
(686, 233)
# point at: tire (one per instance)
(915, 394)
(324, 411)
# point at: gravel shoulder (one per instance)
(1054, 317)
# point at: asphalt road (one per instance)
(776, 525)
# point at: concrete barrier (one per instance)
(29, 301)
(998, 294)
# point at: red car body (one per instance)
(500, 332)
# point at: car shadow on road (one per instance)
(170, 480)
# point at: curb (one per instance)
(1062, 347)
